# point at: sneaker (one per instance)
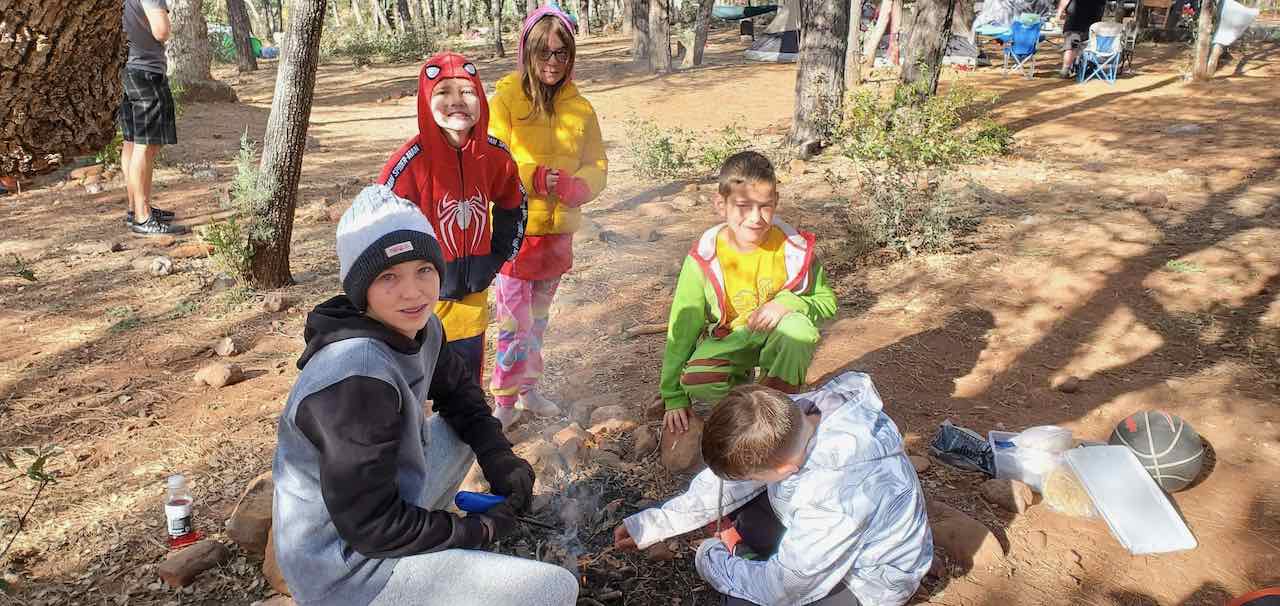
(153, 226)
(535, 403)
(507, 415)
(164, 215)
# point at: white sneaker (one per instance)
(506, 414)
(535, 403)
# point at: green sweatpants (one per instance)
(717, 365)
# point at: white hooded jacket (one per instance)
(853, 513)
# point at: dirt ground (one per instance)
(1170, 305)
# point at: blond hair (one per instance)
(541, 96)
(752, 430)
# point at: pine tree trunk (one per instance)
(530, 6)
(930, 34)
(284, 141)
(1204, 39)
(402, 11)
(498, 49)
(877, 32)
(627, 11)
(824, 34)
(640, 43)
(700, 30)
(853, 54)
(355, 11)
(255, 17)
(188, 48)
(57, 100)
(241, 29)
(587, 12)
(380, 16)
(659, 36)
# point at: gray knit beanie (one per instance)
(378, 231)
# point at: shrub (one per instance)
(362, 46)
(231, 239)
(660, 153)
(905, 144)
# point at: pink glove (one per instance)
(572, 191)
(540, 180)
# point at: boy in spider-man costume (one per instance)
(468, 186)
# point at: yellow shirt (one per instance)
(466, 318)
(751, 279)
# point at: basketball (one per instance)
(1169, 449)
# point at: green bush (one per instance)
(726, 142)
(905, 144)
(362, 47)
(232, 239)
(674, 153)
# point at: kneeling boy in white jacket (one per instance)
(825, 506)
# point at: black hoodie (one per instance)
(350, 460)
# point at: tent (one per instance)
(780, 42)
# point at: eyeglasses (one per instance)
(561, 55)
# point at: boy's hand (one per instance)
(553, 179)
(766, 317)
(622, 540)
(676, 421)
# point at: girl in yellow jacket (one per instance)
(554, 136)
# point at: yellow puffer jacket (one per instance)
(569, 141)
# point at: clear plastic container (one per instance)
(177, 513)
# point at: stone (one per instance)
(683, 451)
(1067, 384)
(182, 567)
(336, 211)
(605, 458)
(226, 346)
(219, 375)
(1040, 540)
(250, 523)
(92, 248)
(645, 442)
(1010, 495)
(569, 434)
(279, 600)
(662, 551)
(798, 166)
(966, 540)
(160, 266)
(938, 567)
(274, 302)
(543, 456)
(1150, 198)
(691, 188)
(93, 170)
(222, 283)
(91, 179)
(474, 481)
(94, 188)
(205, 174)
(271, 570)
(920, 463)
(161, 241)
(655, 210)
(613, 426)
(191, 250)
(606, 413)
(580, 410)
(684, 202)
(657, 409)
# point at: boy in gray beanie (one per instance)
(362, 473)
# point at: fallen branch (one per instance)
(23, 519)
(644, 329)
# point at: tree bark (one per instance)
(530, 6)
(355, 11)
(241, 29)
(628, 14)
(700, 28)
(640, 43)
(824, 34)
(659, 36)
(1204, 39)
(585, 17)
(498, 49)
(60, 84)
(853, 53)
(930, 33)
(284, 142)
(255, 17)
(402, 11)
(188, 48)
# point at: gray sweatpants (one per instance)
(462, 577)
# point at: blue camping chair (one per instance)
(1020, 52)
(1101, 56)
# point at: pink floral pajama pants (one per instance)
(522, 310)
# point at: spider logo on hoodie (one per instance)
(463, 224)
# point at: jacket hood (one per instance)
(854, 428)
(338, 320)
(439, 67)
(549, 9)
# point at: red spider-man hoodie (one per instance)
(471, 195)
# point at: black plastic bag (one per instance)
(962, 448)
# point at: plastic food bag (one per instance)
(962, 448)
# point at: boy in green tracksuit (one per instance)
(750, 294)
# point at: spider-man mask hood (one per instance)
(439, 67)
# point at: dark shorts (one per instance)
(147, 114)
(472, 351)
(1073, 40)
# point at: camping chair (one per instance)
(1021, 49)
(1101, 55)
(1130, 40)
